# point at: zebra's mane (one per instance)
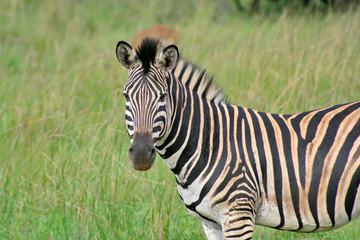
(193, 78)
(198, 81)
(147, 52)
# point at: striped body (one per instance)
(236, 167)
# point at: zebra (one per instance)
(234, 166)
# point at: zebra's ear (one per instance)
(125, 54)
(169, 58)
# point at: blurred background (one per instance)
(64, 169)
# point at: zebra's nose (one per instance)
(142, 152)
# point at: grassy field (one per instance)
(64, 170)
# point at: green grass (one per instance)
(64, 170)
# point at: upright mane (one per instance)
(197, 81)
(147, 51)
(193, 78)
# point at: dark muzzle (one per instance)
(142, 151)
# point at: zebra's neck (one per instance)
(187, 147)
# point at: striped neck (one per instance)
(193, 123)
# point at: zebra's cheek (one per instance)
(142, 152)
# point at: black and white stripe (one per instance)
(236, 167)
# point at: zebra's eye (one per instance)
(162, 97)
(126, 97)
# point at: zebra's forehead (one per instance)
(145, 83)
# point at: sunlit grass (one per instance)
(64, 170)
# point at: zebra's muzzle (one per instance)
(142, 151)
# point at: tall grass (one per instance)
(64, 170)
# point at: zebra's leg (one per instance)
(238, 225)
(213, 231)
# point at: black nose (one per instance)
(142, 151)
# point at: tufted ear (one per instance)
(125, 54)
(169, 58)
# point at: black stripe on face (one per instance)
(143, 91)
(128, 118)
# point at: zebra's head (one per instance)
(146, 95)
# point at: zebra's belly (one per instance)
(270, 215)
(292, 224)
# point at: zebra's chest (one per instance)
(198, 205)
